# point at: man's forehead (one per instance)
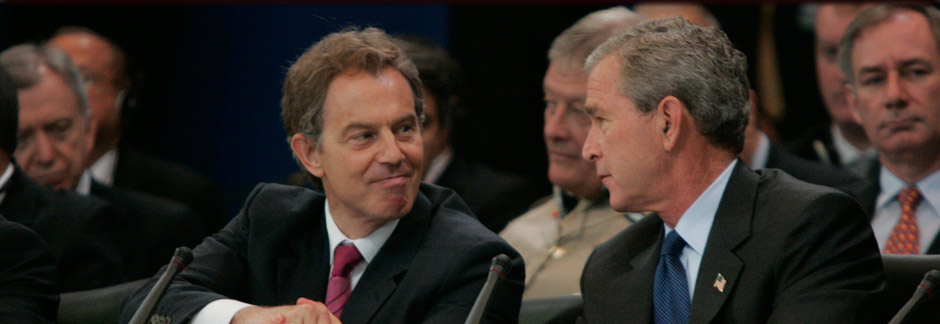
(874, 44)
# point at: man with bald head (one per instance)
(669, 103)
(107, 81)
(556, 236)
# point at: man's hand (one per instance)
(305, 312)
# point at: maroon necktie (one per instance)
(337, 292)
(905, 238)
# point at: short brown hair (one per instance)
(875, 15)
(308, 79)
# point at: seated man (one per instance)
(556, 236)
(376, 246)
(668, 103)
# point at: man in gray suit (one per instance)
(668, 103)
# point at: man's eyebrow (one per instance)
(356, 125)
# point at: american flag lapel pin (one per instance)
(720, 283)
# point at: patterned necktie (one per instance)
(905, 238)
(337, 292)
(670, 288)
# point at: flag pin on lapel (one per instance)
(720, 283)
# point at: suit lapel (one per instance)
(385, 272)
(303, 270)
(20, 203)
(628, 296)
(731, 227)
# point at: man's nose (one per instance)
(44, 151)
(895, 92)
(591, 149)
(390, 151)
(555, 124)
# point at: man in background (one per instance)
(56, 133)
(494, 197)
(842, 142)
(891, 58)
(109, 86)
(556, 236)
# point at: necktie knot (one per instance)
(673, 244)
(346, 258)
(909, 197)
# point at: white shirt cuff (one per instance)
(219, 312)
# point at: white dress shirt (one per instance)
(888, 209)
(223, 310)
(761, 153)
(103, 169)
(4, 178)
(848, 153)
(438, 164)
(696, 223)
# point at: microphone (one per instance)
(181, 258)
(500, 266)
(925, 287)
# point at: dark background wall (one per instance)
(210, 75)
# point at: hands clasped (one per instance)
(305, 311)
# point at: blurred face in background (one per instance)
(54, 137)
(831, 22)
(566, 128)
(433, 134)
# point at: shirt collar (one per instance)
(84, 184)
(761, 153)
(891, 186)
(696, 222)
(438, 164)
(848, 153)
(368, 246)
(5, 180)
(103, 169)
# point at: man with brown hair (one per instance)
(377, 246)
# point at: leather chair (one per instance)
(551, 310)
(903, 273)
(100, 305)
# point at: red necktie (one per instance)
(337, 292)
(905, 239)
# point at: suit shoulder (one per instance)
(272, 202)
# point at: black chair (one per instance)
(551, 310)
(100, 305)
(903, 273)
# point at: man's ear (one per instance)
(852, 102)
(305, 149)
(669, 114)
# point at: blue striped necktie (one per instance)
(670, 288)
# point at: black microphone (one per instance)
(500, 266)
(925, 287)
(181, 258)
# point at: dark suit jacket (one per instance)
(815, 172)
(494, 197)
(79, 231)
(276, 250)
(791, 252)
(156, 176)
(150, 228)
(803, 146)
(28, 292)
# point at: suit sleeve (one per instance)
(455, 304)
(830, 270)
(219, 270)
(28, 293)
(93, 259)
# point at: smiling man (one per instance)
(891, 58)
(377, 246)
(668, 103)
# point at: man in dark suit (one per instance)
(78, 230)
(56, 133)
(115, 164)
(841, 142)
(375, 247)
(28, 291)
(891, 59)
(494, 197)
(669, 105)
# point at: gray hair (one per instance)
(23, 63)
(572, 47)
(698, 65)
(876, 15)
